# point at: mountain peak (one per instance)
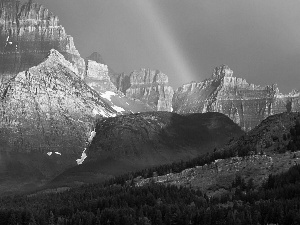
(55, 56)
(222, 71)
(54, 53)
(96, 56)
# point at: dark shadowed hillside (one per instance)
(131, 142)
(160, 137)
(272, 135)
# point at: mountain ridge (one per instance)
(246, 104)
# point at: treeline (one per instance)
(278, 202)
(176, 167)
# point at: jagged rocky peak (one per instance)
(221, 72)
(246, 104)
(95, 56)
(28, 31)
(151, 87)
(55, 57)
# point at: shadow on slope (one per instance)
(272, 135)
(134, 142)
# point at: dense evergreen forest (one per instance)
(278, 201)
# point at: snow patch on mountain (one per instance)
(118, 109)
(83, 155)
(107, 95)
(102, 113)
(93, 134)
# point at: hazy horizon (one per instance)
(258, 40)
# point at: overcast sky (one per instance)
(186, 39)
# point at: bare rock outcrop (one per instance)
(149, 86)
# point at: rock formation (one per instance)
(246, 104)
(27, 33)
(149, 86)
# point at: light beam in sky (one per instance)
(167, 40)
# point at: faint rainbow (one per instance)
(167, 39)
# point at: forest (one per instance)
(277, 202)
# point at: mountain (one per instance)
(132, 142)
(149, 86)
(246, 104)
(46, 116)
(28, 31)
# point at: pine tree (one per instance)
(51, 219)
(32, 220)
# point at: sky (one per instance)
(186, 39)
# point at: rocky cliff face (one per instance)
(48, 109)
(97, 77)
(27, 33)
(121, 81)
(149, 86)
(246, 104)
